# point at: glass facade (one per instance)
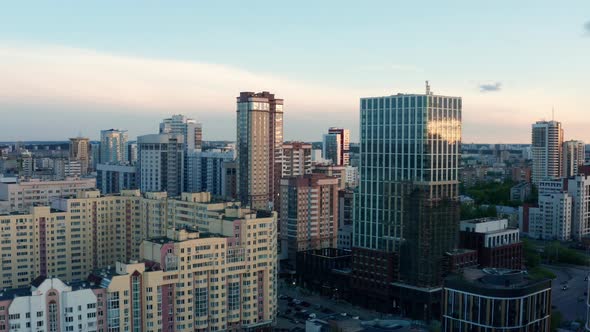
(407, 200)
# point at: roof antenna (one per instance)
(427, 88)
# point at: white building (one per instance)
(161, 163)
(547, 139)
(49, 305)
(552, 220)
(579, 189)
(22, 195)
(190, 129)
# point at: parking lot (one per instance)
(295, 307)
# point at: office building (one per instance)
(325, 271)
(547, 139)
(573, 157)
(336, 146)
(80, 151)
(113, 146)
(296, 159)
(497, 245)
(496, 300)
(407, 206)
(259, 149)
(205, 170)
(309, 214)
(161, 163)
(21, 195)
(114, 178)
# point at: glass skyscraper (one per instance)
(407, 202)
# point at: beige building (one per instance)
(20, 196)
(80, 151)
(309, 214)
(80, 234)
(574, 153)
(296, 159)
(259, 149)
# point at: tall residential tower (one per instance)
(547, 139)
(573, 157)
(113, 146)
(259, 149)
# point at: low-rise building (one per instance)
(496, 300)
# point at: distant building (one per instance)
(521, 174)
(161, 163)
(113, 178)
(229, 180)
(574, 153)
(296, 159)
(80, 151)
(497, 245)
(520, 192)
(206, 170)
(552, 219)
(496, 300)
(23, 195)
(336, 146)
(345, 214)
(578, 187)
(352, 176)
(332, 170)
(547, 139)
(113, 146)
(190, 129)
(309, 213)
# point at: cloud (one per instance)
(490, 87)
(587, 28)
(60, 75)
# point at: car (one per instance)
(343, 314)
(565, 287)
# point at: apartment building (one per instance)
(22, 195)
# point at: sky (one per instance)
(70, 68)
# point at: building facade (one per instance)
(496, 300)
(574, 153)
(336, 146)
(189, 129)
(80, 151)
(259, 149)
(579, 189)
(407, 204)
(23, 195)
(113, 178)
(296, 159)
(113, 146)
(205, 170)
(497, 245)
(161, 163)
(547, 139)
(309, 214)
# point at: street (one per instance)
(570, 302)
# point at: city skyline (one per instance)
(195, 59)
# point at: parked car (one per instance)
(305, 304)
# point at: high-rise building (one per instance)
(113, 146)
(190, 129)
(552, 219)
(547, 139)
(229, 180)
(336, 146)
(407, 206)
(259, 148)
(296, 159)
(574, 153)
(345, 213)
(79, 150)
(206, 170)
(161, 163)
(309, 214)
(496, 300)
(131, 151)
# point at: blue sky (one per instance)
(86, 66)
